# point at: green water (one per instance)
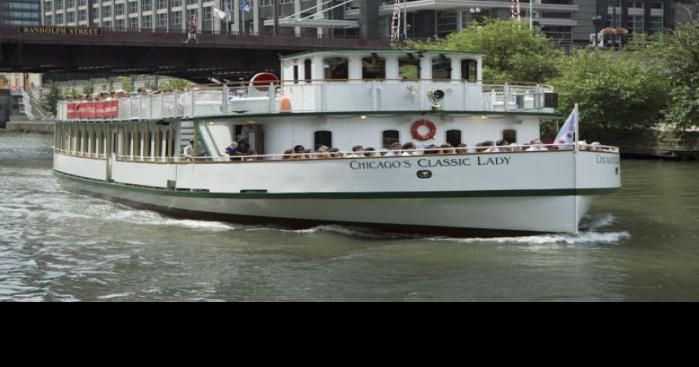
(639, 244)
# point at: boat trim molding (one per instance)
(343, 195)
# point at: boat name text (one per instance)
(605, 159)
(430, 163)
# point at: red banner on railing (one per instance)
(93, 110)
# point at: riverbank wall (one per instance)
(651, 143)
(41, 127)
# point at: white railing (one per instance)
(350, 96)
(362, 154)
(32, 109)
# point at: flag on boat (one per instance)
(566, 136)
(245, 6)
(220, 13)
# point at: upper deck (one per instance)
(363, 82)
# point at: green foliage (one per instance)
(89, 88)
(679, 51)
(174, 84)
(72, 93)
(512, 50)
(51, 98)
(126, 84)
(3, 80)
(613, 91)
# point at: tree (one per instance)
(512, 50)
(614, 91)
(89, 88)
(51, 99)
(126, 84)
(172, 84)
(679, 51)
(3, 80)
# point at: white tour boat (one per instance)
(358, 102)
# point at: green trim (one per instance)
(345, 195)
(352, 113)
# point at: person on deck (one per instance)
(189, 151)
(232, 151)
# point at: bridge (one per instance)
(85, 50)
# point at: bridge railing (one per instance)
(325, 96)
(128, 37)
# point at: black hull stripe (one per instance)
(345, 195)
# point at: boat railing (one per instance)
(326, 96)
(363, 154)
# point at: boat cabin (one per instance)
(336, 99)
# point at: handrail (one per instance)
(364, 154)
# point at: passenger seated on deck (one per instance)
(485, 147)
(393, 151)
(335, 153)
(371, 153)
(447, 149)
(431, 150)
(461, 149)
(188, 151)
(536, 146)
(232, 151)
(288, 154)
(322, 153)
(357, 151)
(409, 149)
(298, 152)
(502, 146)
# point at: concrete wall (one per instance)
(5, 107)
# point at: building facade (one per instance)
(20, 12)
(565, 20)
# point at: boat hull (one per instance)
(491, 214)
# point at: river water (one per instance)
(639, 244)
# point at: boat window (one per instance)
(374, 67)
(321, 138)
(469, 70)
(390, 137)
(336, 68)
(296, 74)
(454, 137)
(441, 68)
(409, 67)
(307, 70)
(509, 135)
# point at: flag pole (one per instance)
(577, 126)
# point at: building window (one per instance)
(106, 11)
(82, 14)
(389, 138)
(147, 22)
(59, 19)
(509, 136)
(70, 3)
(441, 68)
(206, 17)
(133, 7)
(119, 24)
(133, 23)
(336, 68)
(71, 17)
(192, 2)
(296, 74)
(374, 67)
(146, 5)
(162, 21)
(48, 20)
(409, 67)
(469, 70)
(191, 13)
(446, 23)
(321, 138)
(162, 4)
(176, 3)
(119, 9)
(454, 137)
(177, 18)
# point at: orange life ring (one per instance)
(285, 105)
(415, 131)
